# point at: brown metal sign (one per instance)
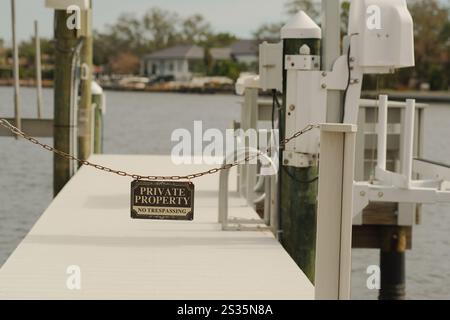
(162, 200)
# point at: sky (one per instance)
(240, 17)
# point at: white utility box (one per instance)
(383, 31)
(271, 66)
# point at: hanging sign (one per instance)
(162, 200)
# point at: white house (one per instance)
(179, 62)
(245, 51)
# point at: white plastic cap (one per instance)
(301, 26)
(95, 88)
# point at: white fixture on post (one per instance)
(305, 98)
(380, 39)
(374, 27)
(383, 35)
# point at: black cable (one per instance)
(348, 82)
(276, 103)
(297, 180)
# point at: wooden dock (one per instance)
(89, 225)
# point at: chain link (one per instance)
(5, 123)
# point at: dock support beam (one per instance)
(65, 43)
(392, 263)
(335, 212)
(86, 117)
(16, 72)
(38, 70)
(297, 196)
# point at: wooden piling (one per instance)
(65, 42)
(38, 70)
(298, 201)
(392, 263)
(16, 73)
(85, 116)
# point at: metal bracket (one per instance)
(298, 160)
(301, 62)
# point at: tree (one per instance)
(124, 63)
(309, 6)
(156, 29)
(219, 40)
(160, 28)
(195, 29)
(268, 32)
(430, 23)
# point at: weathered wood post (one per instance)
(297, 200)
(392, 263)
(65, 43)
(85, 116)
(38, 70)
(17, 112)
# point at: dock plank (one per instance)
(88, 225)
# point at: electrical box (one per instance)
(271, 66)
(306, 103)
(383, 33)
(64, 4)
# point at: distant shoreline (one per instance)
(49, 84)
(30, 83)
(420, 96)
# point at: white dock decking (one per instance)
(89, 225)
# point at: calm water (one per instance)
(143, 122)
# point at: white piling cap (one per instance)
(96, 89)
(301, 26)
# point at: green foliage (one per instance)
(432, 48)
(268, 32)
(228, 68)
(312, 8)
(432, 43)
(155, 30)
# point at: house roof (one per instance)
(220, 53)
(178, 52)
(244, 47)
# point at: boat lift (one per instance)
(340, 198)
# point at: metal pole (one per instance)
(38, 69)
(15, 67)
(331, 50)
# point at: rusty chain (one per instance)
(5, 123)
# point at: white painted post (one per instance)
(335, 211)
(251, 101)
(331, 30)
(382, 131)
(408, 140)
